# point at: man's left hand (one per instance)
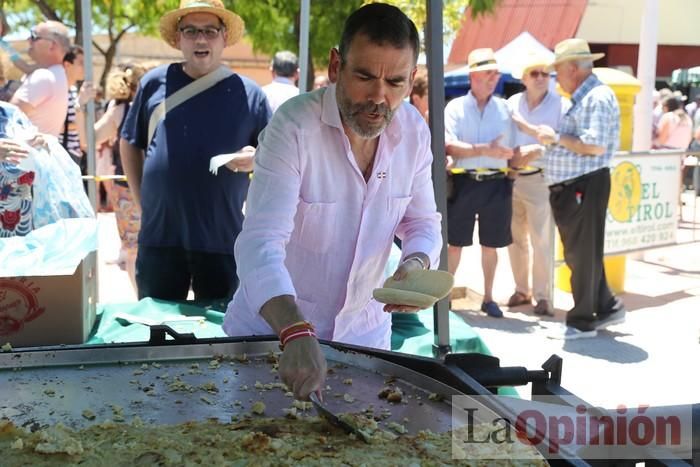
(401, 273)
(242, 160)
(546, 135)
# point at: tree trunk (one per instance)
(77, 7)
(109, 59)
(46, 10)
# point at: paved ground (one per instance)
(652, 358)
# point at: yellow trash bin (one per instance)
(625, 87)
(615, 267)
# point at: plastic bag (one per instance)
(58, 187)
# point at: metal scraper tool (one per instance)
(333, 419)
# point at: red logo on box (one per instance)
(18, 304)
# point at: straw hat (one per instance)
(169, 22)
(482, 60)
(573, 49)
(531, 60)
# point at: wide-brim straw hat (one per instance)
(530, 61)
(573, 49)
(482, 60)
(169, 22)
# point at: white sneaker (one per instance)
(613, 318)
(569, 333)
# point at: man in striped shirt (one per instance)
(579, 176)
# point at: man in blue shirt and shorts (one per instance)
(479, 132)
(191, 217)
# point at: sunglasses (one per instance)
(191, 32)
(534, 74)
(33, 36)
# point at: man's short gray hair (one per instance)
(585, 64)
(285, 64)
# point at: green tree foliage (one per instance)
(273, 25)
(452, 12)
(114, 17)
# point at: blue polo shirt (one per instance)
(183, 204)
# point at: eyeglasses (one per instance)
(534, 74)
(191, 32)
(33, 36)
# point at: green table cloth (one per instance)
(128, 322)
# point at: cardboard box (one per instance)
(49, 310)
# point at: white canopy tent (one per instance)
(509, 57)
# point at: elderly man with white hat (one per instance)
(479, 136)
(578, 171)
(184, 114)
(532, 221)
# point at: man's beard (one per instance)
(350, 114)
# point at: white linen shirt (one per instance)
(548, 112)
(465, 122)
(279, 91)
(314, 229)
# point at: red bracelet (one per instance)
(296, 335)
(298, 326)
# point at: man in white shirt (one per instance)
(338, 172)
(479, 131)
(532, 215)
(285, 72)
(43, 95)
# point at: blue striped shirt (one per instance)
(594, 118)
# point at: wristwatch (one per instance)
(416, 258)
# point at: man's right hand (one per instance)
(303, 367)
(498, 151)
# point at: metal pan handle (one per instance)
(160, 332)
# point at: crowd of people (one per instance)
(339, 173)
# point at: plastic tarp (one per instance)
(57, 191)
(53, 250)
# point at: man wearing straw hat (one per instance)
(183, 114)
(479, 131)
(578, 172)
(532, 221)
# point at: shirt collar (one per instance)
(584, 88)
(283, 80)
(472, 100)
(330, 115)
(545, 100)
